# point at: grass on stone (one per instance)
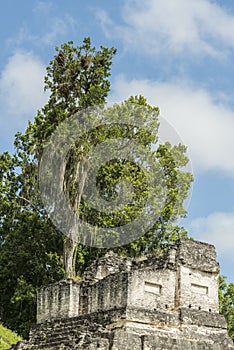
(7, 338)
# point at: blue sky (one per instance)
(179, 54)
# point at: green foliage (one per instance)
(7, 338)
(30, 257)
(31, 247)
(76, 79)
(226, 303)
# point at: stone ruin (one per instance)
(122, 303)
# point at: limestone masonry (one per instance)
(122, 303)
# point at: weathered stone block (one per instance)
(58, 301)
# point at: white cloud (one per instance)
(217, 229)
(21, 91)
(58, 27)
(52, 31)
(42, 7)
(204, 126)
(181, 26)
(55, 26)
(105, 22)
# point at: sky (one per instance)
(178, 54)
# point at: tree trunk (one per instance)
(69, 252)
(80, 170)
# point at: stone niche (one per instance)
(151, 288)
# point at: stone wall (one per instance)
(60, 300)
(198, 276)
(187, 276)
(106, 294)
(167, 303)
(135, 329)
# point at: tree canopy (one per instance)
(226, 304)
(34, 251)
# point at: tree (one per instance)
(226, 303)
(76, 78)
(31, 245)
